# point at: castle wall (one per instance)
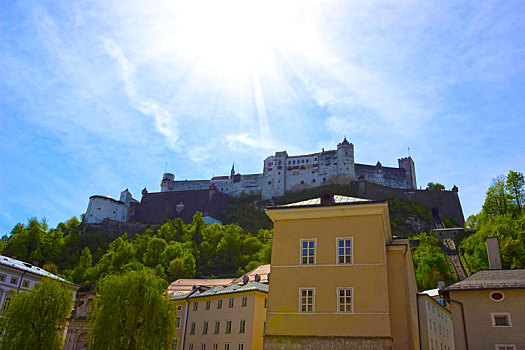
(386, 176)
(190, 185)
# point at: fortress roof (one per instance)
(106, 197)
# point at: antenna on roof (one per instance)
(165, 166)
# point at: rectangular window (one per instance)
(240, 346)
(6, 303)
(505, 347)
(208, 304)
(195, 306)
(501, 320)
(265, 303)
(226, 346)
(215, 346)
(190, 347)
(217, 327)
(307, 251)
(205, 327)
(175, 344)
(2, 278)
(228, 327)
(244, 301)
(344, 300)
(242, 326)
(306, 300)
(203, 346)
(230, 302)
(219, 304)
(344, 250)
(14, 280)
(192, 328)
(25, 284)
(178, 322)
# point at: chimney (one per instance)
(327, 198)
(493, 253)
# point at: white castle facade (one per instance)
(283, 173)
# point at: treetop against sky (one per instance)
(96, 97)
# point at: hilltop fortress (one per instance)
(283, 173)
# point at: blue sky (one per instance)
(96, 96)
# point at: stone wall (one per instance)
(278, 342)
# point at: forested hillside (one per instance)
(178, 250)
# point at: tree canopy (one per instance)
(435, 186)
(132, 311)
(34, 319)
(430, 263)
(501, 216)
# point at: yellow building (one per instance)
(222, 318)
(339, 280)
(435, 324)
(488, 310)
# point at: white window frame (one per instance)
(242, 326)
(301, 300)
(301, 250)
(352, 300)
(240, 346)
(226, 346)
(497, 291)
(231, 303)
(228, 327)
(244, 302)
(178, 322)
(219, 304)
(208, 304)
(493, 316)
(512, 346)
(351, 250)
(217, 328)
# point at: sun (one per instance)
(239, 37)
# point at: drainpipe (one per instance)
(185, 324)
(20, 283)
(462, 319)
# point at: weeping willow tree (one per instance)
(132, 311)
(35, 319)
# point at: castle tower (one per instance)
(233, 170)
(125, 197)
(274, 175)
(167, 182)
(345, 162)
(410, 171)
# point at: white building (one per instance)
(104, 207)
(17, 276)
(435, 324)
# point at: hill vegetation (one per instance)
(178, 250)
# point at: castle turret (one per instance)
(167, 182)
(125, 197)
(410, 171)
(232, 172)
(345, 162)
(274, 175)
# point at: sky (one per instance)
(100, 96)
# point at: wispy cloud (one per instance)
(165, 123)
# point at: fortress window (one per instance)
(302, 182)
(315, 159)
(308, 161)
(302, 161)
(269, 182)
(324, 179)
(289, 162)
(294, 161)
(313, 180)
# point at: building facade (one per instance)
(17, 276)
(338, 278)
(221, 318)
(435, 324)
(488, 310)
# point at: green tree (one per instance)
(35, 319)
(435, 186)
(188, 265)
(497, 200)
(132, 311)
(515, 185)
(430, 263)
(84, 264)
(153, 256)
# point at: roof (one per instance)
(233, 288)
(316, 202)
(224, 177)
(431, 292)
(24, 266)
(186, 285)
(492, 279)
(106, 197)
(263, 271)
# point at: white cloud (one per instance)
(165, 123)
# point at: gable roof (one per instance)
(492, 279)
(187, 284)
(263, 271)
(232, 288)
(316, 202)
